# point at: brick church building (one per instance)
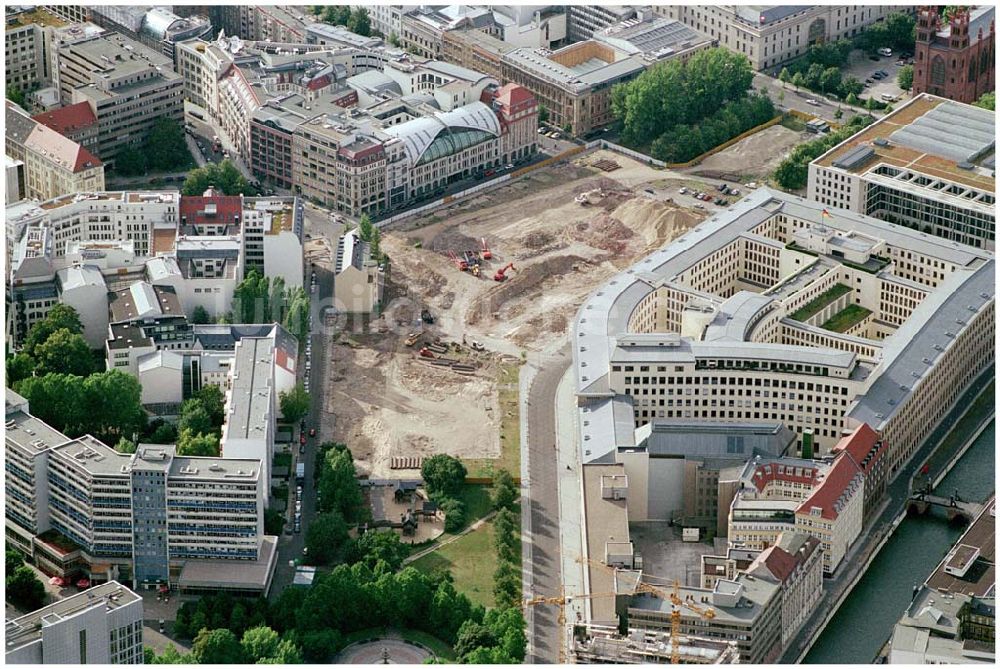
(956, 60)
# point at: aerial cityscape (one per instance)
(500, 334)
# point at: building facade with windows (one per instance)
(781, 309)
(957, 60)
(929, 165)
(770, 35)
(100, 626)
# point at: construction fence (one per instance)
(444, 201)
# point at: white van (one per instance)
(885, 51)
(888, 97)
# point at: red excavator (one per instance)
(501, 274)
(459, 263)
(426, 353)
(487, 254)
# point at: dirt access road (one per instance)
(389, 402)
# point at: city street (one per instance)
(540, 507)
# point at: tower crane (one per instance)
(561, 602)
(673, 596)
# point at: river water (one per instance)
(865, 620)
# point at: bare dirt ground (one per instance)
(389, 403)
(756, 156)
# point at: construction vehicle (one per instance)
(472, 262)
(412, 339)
(501, 274)
(487, 254)
(476, 346)
(426, 317)
(426, 353)
(461, 264)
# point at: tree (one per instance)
(376, 245)
(213, 402)
(359, 22)
(326, 538)
(505, 492)
(372, 547)
(164, 433)
(61, 316)
(871, 105)
(781, 97)
(852, 99)
(784, 76)
(294, 404)
(64, 352)
(274, 522)
(798, 81)
(125, 446)
(130, 162)
(320, 646)
(987, 101)
(259, 643)
(506, 585)
(200, 316)
(12, 560)
(19, 367)
(904, 77)
(443, 475)
(165, 146)
(15, 95)
(286, 653)
(454, 514)
(114, 405)
(223, 177)
(394, 39)
(297, 319)
(473, 635)
(900, 31)
(839, 114)
(194, 418)
(24, 590)
(830, 80)
(218, 646)
(170, 656)
(504, 535)
(791, 174)
(197, 444)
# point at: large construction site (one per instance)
(476, 286)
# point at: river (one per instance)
(865, 620)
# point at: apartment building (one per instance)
(358, 283)
(24, 47)
(127, 85)
(955, 61)
(732, 323)
(422, 29)
(272, 238)
(770, 35)
(794, 563)
(867, 450)
(251, 404)
(100, 626)
(834, 512)
(76, 122)
(53, 164)
(157, 27)
(145, 518)
(929, 165)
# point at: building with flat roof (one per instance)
(24, 46)
(957, 60)
(358, 282)
(156, 27)
(102, 625)
(585, 20)
(770, 35)
(422, 28)
(603, 644)
(127, 85)
(53, 163)
(928, 165)
(829, 318)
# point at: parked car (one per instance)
(302, 449)
(312, 432)
(885, 51)
(298, 528)
(683, 190)
(811, 101)
(720, 202)
(699, 205)
(734, 192)
(298, 490)
(648, 190)
(878, 76)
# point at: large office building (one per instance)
(929, 165)
(144, 518)
(585, 20)
(100, 626)
(957, 60)
(781, 309)
(24, 46)
(156, 27)
(127, 85)
(770, 35)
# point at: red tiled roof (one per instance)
(66, 120)
(775, 471)
(318, 82)
(512, 95)
(61, 149)
(859, 444)
(778, 562)
(227, 209)
(837, 481)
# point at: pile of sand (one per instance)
(603, 232)
(657, 222)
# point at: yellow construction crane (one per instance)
(562, 602)
(675, 600)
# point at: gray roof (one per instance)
(252, 391)
(97, 458)
(605, 426)
(32, 435)
(659, 37)
(960, 132)
(713, 440)
(79, 276)
(760, 15)
(911, 352)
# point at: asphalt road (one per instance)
(540, 498)
(290, 545)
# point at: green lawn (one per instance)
(793, 122)
(846, 318)
(510, 427)
(477, 501)
(816, 305)
(471, 561)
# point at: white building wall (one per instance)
(91, 302)
(666, 487)
(283, 257)
(161, 385)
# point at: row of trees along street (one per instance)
(793, 172)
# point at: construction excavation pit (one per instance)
(496, 276)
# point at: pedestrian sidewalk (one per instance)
(570, 499)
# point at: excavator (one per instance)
(487, 254)
(501, 274)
